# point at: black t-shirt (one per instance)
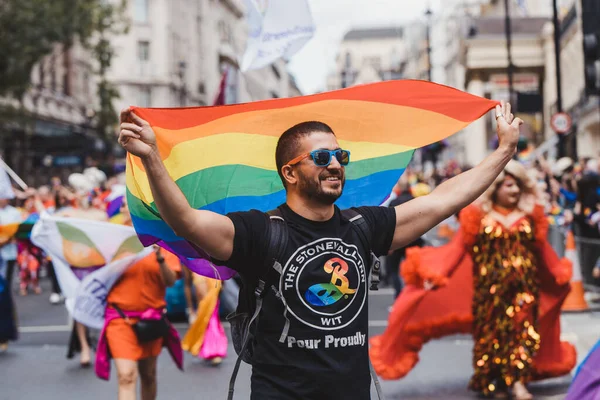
(324, 284)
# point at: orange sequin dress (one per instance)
(505, 286)
(505, 303)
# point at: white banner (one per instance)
(89, 304)
(88, 257)
(6, 190)
(276, 29)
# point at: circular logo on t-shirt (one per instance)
(324, 284)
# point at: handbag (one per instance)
(147, 330)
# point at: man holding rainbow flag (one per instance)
(321, 301)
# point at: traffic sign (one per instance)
(561, 122)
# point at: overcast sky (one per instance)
(333, 18)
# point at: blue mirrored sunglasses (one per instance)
(322, 157)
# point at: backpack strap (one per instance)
(380, 395)
(271, 269)
(277, 245)
(364, 232)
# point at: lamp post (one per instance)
(182, 90)
(507, 31)
(561, 143)
(428, 14)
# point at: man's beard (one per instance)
(313, 189)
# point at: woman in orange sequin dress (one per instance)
(498, 279)
(506, 288)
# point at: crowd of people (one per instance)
(498, 274)
(141, 290)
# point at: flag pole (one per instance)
(13, 175)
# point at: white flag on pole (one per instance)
(276, 29)
(88, 258)
(6, 190)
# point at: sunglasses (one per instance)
(322, 158)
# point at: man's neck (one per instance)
(310, 211)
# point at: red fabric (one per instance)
(419, 315)
(220, 97)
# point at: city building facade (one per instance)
(485, 59)
(370, 55)
(57, 132)
(175, 53)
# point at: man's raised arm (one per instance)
(419, 215)
(211, 231)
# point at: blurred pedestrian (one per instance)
(29, 267)
(8, 259)
(206, 337)
(8, 326)
(129, 335)
(78, 205)
(393, 260)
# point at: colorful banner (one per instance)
(276, 29)
(223, 158)
(89, 304)
(18, 230)
(88, 258)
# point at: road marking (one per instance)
(382, 292)
(565, 336)
(45, 328)
(180, 325)
(378, 324)
(227, 325)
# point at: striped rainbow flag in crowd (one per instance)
(18, 230)
(223, 157)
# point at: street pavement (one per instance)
(35, 367)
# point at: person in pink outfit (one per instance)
(28, 271)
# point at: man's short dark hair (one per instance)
(287, 145)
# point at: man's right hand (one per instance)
(136, 135)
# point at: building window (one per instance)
(140, 11)
(66, 73)
(86, 83)
(42, 75)
(145, 96)
(66, 84)
(143, 50)
(53, 73)
(348, 60)
(395, 59)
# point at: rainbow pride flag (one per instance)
(19, 230)
(223, 157)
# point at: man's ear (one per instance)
(289, 174)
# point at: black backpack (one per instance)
(245, 318)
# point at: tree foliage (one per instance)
(29, 30)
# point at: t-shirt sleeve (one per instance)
(382, 224)
(250, 241)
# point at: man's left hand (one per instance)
(507, 126)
